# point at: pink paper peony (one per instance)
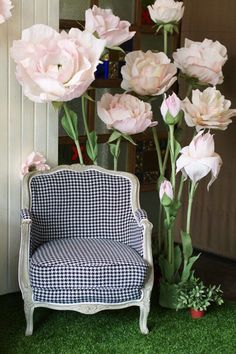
(34, 162)
(5, 10)
(172, 104)
(202, 60)
(166, 11)
(55, 67)
(166, 194)
(199, 158)
(147, 73)
(125, 113)
(208, 109)
(107, 26)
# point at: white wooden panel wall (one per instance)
(24, 127)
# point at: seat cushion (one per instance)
(72, 266)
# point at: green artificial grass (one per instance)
(116, 332)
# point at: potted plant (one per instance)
(198, 297)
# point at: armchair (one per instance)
(85, 243)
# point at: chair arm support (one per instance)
(140, 215)
(25, 215)
(23, 269)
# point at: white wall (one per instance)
(24, 127)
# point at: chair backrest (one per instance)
(90, 203)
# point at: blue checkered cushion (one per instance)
(88, 204)
(86, 270)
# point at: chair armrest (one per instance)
(23, 268)
(140, 215)
(25, 215)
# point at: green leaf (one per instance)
(187, 273)
(127, 137)
(176, 204)
(159, 181)
(177, 148)
(70, 124)
(177, 258)
(93, 138)
(113, 150)
(167, 269)
(86, 95)
(57, 105)
(114, 136)
(117, 48)
(187, 245)
(89, 151)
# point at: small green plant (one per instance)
(194, 294)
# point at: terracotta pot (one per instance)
(196, 313)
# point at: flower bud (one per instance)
(171, 109)
(166, 193)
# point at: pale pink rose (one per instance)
(125, 113)
(166, 189)
(55, 67)
(172, 104)
(199, 158)
(34, 162)
(166, 11)
(107, 26)
(208, 109)
(5, 10)
(202, 60)
(147, 73)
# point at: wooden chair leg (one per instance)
(144, 311)
(29, 312)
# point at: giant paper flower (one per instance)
(147, 74)
(199, 158)
(34, 162)
(5, 10)
(166, 11)
(202, 60)
(55, 67)
(208, 109)
(125, 113)
(107, 26)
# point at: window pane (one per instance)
(122, 8)
(105, 159)
(155, 42)
(73, 9)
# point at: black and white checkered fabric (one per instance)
(68, 204)
(86, 242)
(25, 214)
(75, 296)
(70, 266)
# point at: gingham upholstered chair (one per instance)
(85, 243)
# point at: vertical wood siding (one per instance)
(24, 127)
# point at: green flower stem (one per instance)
(83, 99)
(158, 150)
(172, 155)
(76, 141)
(166, 155)
(193, 188)
(170, 243)
(165, 33)
(160, 238)
(181, 184)
(117, 150)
